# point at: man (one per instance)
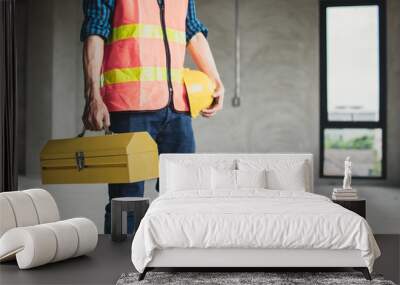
(133, 59)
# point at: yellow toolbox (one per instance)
(114, 158)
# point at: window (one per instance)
(353, 87)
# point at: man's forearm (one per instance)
(93, 51)
(95, 115)
(201, 54)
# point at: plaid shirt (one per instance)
(98, 17)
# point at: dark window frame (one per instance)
(324, 122)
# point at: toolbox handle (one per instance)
(107, 131)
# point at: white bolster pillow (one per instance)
(67, 240)
(23, 209)
(7, 220)
(87, 235)
(40, 244)
(45, 205)
(26, 208)
(32, 246)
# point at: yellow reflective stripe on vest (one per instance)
(146, 31)
(124, 75)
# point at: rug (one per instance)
(244, 278)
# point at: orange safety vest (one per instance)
(144, 56)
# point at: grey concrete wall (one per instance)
(280, 95)
(279, 78)
(67, 74)
(39, 91)
(393, 84)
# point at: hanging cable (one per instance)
(236, 96)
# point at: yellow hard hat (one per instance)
(200, 89)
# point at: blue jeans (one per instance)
(172, 132)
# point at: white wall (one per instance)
(280, 106)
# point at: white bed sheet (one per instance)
(251, 218)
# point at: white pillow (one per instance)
(224, 179)
(291, 178)
(228, 179)
(188, 177)
(282, 174)
(219, 163)
(251, 178)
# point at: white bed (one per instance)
(200, 223)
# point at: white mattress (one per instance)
(252, 218)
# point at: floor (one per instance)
(110, 260)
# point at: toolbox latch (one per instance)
(80, 160)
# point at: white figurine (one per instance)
(347, 174)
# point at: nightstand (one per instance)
(137, 205)
(358, 206)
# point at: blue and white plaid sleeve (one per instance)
(97, 19)
(193, 24)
